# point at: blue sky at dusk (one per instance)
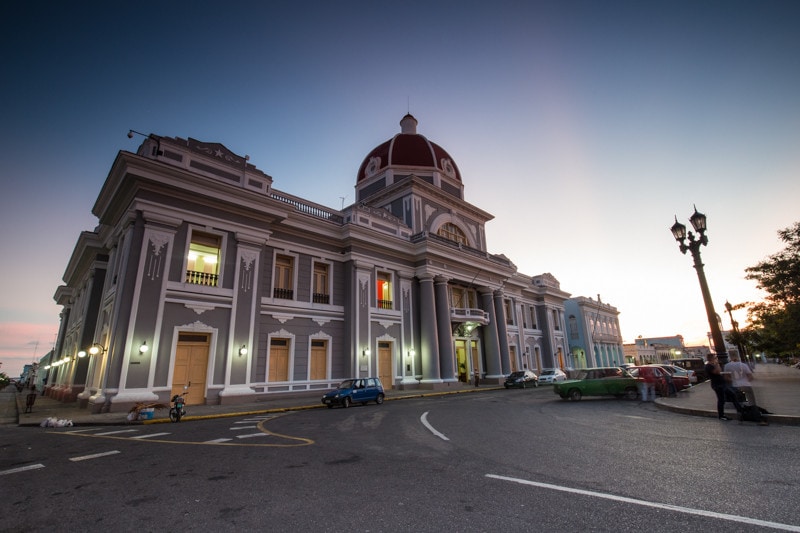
(584, 127)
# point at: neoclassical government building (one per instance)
(200, 271)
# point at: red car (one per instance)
(679, 376)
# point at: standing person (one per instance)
(741, 377)
(647, 384)
(721, 388)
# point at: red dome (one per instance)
(409, 149)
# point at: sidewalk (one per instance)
(777, 389)
(12, 407)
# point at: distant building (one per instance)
(593, 333)
(201, 272)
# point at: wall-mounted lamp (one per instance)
(143, 348)
(412, 353)
(243, 350)
(366, 352)
(94, 349)
(151, 136)
(82, 353)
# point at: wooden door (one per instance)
(191, 367)
(385, 364)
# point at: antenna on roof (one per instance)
(342, 199)
(408, 105)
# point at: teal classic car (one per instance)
(604, 381)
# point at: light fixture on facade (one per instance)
(143, 348)
(366, 352)
(95, 349)
(243, 350)
(411, 353)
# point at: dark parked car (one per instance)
(692, 363)
(522, 379)
(357, 390)
(612, 381)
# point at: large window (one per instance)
(321, 292)
(283, 284)
(384, 290)
(509, 312)
(450, 231)
(461, 297)
(202, 265)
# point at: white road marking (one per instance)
(424, 420)
(216, 440)
(21, 469)
(118, 432)
(676, 508)
(93, 456)
(150, 436)
(243, 427)
(251, 435)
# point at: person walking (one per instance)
(720, 386)
(741, 378)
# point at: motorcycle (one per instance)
(178, 408)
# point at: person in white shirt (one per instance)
(741, 377)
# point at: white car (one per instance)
(551, 375)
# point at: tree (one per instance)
(775, 323)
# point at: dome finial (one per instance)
(408, 124)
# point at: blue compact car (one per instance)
(357, 390)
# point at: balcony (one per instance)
(385, 304)
(201, 278)
(469, 314)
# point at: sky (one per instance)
(583, 127)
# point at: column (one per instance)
(491, 343)
(502, 331)
(428, 334)
(446, 356)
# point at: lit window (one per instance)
(451, 232)
(384, 290)
(321, 293)
(284, 277)
(202, 265)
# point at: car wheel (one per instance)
(506, 386)
(631, 393)
(379, 399)
(330, 406)
(346, 402)
(575, 395)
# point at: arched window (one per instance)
(451, 232)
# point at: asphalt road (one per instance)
(519, 459)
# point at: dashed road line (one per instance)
(21, 469)
(676, 508)
(424, 419)
(216, 441)
(251, 435)
(93, 456)
(150, 435)
(117, 432)
(243, 427)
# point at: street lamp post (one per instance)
(698, 221)
(735, 326)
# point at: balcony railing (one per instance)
(319, 298)
(385, 304)
(202, 278)
(283, 294)
(463, 314)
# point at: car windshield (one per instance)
(548, 372)
(517, 374)
(346, 384)
(581, 374)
